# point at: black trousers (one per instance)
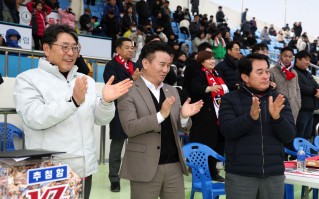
(37, 42)
(87, 186)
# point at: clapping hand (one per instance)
(79, 89)
(166, 106)
(189, 110)
(112, 92)
(276, 106)
(255, 109)
(137, 73)
(273, 85)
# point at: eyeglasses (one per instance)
(66, 48)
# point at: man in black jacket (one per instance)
(256, 122)
(121, 67)
(309, 94)
(143, 12)
(85, 22)
(227, 69)
(220, 16)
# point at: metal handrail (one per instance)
(38, 53)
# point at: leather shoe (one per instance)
(115, 187)
(218, 178)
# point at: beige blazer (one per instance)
(138, 118)
(288, 88)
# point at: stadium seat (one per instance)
(11, 131)
(196, 155)
(279, 45)
(181, 36)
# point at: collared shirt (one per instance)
(156, 92)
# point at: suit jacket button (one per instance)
(158, 147)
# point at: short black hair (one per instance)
(231, 44)
(302, 54)
(258, 47)
(151, 37)
(119, 41)
(193, 55)
(96, 19)
(287, 48)
(203, 46)
(245, 65)
(199, 33)
(180, 53)
(150, 48)
(50, 34)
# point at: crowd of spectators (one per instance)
(122, 18)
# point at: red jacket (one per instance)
(40, 16)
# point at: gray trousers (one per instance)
(115, 159)
(168, 183)
(242, 187)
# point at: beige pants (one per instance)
(7, 16)
(168, 183)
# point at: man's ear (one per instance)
(46, 49)
(145, 63)
(117, 49)
(244, 77)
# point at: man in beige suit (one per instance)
(151, 115)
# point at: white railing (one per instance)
(36, 54)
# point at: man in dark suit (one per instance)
(309, 91)
(121, 67)
(151, 115)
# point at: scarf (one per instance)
(216, 42)
(214, 79)
(13, 43)
(127, 65)
(286, 70)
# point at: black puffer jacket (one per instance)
(308, 88)
(228, 70)
(254, 148)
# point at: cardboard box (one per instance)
(54, 177)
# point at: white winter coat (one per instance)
(51, 121)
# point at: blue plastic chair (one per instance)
(11, 132)
(307, 146)
(183, 137)
(290, 152)
(197, 158)
(316, 141)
